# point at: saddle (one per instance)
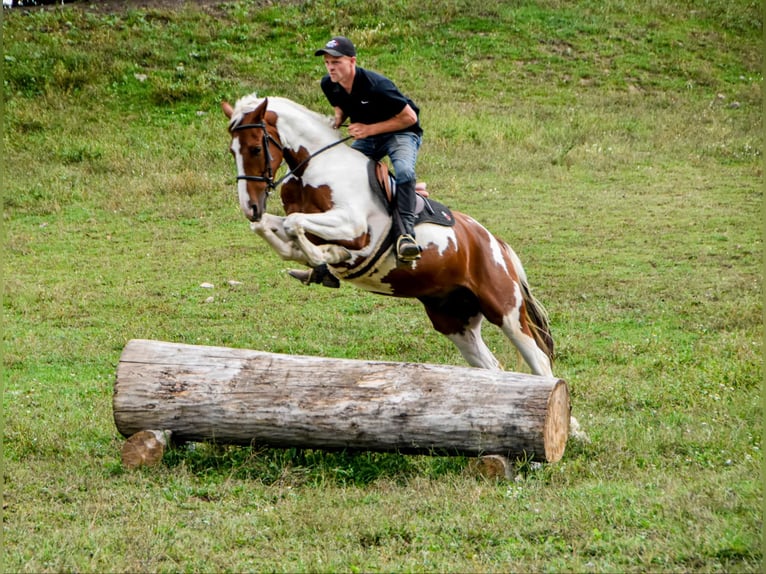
(426, 210)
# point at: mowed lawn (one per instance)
(616, 146)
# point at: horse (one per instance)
(335, 220)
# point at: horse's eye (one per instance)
(254, 150)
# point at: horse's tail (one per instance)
(538, 320)
(538, 316)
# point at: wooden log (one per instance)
(242, 396)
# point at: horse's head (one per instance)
(258, 153)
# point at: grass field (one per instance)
(616, 146)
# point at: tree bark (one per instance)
(247, 397)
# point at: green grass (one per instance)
(616, 145)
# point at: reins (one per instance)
(268, 179)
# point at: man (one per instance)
(383, 123)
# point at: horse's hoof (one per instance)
(331, 281)
(320, 275)
(575, 432)
(304, 276)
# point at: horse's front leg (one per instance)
(334, 226)
(271, 228)
(330, 225)
(317, 255)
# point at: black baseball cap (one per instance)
(338, 46)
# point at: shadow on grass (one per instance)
(309, 466)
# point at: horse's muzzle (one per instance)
(253, 213)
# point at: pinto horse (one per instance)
(334, 217)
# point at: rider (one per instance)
(384, 122)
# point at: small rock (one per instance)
(234, 283)
(207, 285)
(209, 299)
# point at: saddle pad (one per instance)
(429, 211)
(426, 210)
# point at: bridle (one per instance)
(268, 139)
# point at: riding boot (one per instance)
(407, 248)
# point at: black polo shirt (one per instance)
(373, 98)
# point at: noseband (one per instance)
(268, 177)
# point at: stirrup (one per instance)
(407, 248)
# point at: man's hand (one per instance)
(360, 131)
(404, 119)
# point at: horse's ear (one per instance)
(227, 109)
(261, 110)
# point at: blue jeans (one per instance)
(402, 149)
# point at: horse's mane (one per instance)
(320, 125)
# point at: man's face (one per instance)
(340, 68)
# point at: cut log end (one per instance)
(145, 448)
(556, 426)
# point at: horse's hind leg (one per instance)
(523, 340)
(472, 346)
(457, 317)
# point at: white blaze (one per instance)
(244, 198)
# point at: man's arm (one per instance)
(404, 119)
(340, 117)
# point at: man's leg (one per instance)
(403, 150)
(407, 248)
